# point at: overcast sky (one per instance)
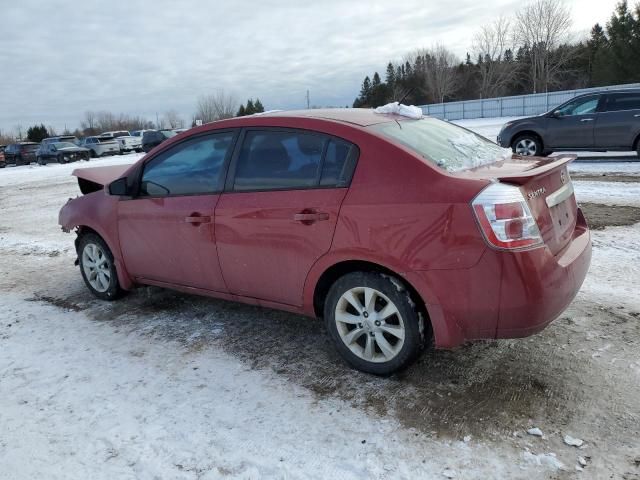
(61, 58)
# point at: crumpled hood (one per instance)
(101, 175)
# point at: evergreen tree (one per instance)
(241, 111)
(250, 109)
(37, 133)
(376, 80)
(625, 61)
(258, 106)
(391, 75)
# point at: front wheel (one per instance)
(373, 322)
(527, 145)
(40, 161)
(98, 267)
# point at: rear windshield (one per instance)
(30, 147)
(105, 140)
(64, 145)
(168, 133)
(448, 146)
(121, 134)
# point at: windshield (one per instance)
(60, 145)
(121, 134)
(168, 133)
(106, 140)
(448, 146)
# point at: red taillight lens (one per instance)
(505, 218)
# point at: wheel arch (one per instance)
(123, 276)
(339, 269)
(636, 142)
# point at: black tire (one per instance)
(638, 148)
(113, 291)
(528, 144)
(407, 316)
(40, 161)
(93, 154)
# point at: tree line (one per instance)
(216, 106)
(531, 52)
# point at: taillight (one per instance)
(505, 218)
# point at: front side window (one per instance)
(623, 101)
(581, 106)
(190, 168)
(281, 160)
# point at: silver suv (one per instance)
(602, 121)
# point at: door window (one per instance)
(623, 101)
(287, 160)
(189, 168)
(581, 106)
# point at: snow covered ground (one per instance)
(168, 385)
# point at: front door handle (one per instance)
(308, 218)
(587, 120)
(197, 219)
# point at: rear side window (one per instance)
(190, 168)
(623, 101)
(282, 160)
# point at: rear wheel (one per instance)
(98, 267)
(638, 149)
(40, 161)
(527, 145)
(93, 154)
(373, 322)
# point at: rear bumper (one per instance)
(506, 294)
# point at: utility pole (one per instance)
(308, 99)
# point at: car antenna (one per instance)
(409, 92)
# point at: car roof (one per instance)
(617, 90)
(355, 116)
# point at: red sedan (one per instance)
(398, 232)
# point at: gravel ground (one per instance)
(579, 377)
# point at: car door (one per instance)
(572, 125)
(619, 123)
(167, 230)
(279, 210)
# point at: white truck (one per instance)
(127, 142)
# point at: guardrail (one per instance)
(516, 106)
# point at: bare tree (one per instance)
(490, 44)
(172, 119)
(216, 106)
(439, 72)
(541, 27)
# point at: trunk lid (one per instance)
(547, 189)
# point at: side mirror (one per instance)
(119, 187)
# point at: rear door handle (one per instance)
(196, 219)
(310, 217)
(587, 120)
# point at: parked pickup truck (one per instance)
(99, 147)
(125, 140)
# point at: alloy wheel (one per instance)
(97, 267)
(370, 324)
(526, 147)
